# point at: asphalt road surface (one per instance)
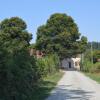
(75, 85)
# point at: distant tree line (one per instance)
(95, 45)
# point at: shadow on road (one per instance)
(61, 93)
(43, 90)
(69, 69)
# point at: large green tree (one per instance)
(60, 34)
(15, 28)
(17, 69)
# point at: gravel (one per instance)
(75, 85)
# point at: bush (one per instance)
(18, 73)
(48, 64)
(96, 68)
(87, 65)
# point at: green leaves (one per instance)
(17, 68)
(60, 35)
(48, 64)
(15, 28)
(13, 22)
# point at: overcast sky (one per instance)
(86, 13)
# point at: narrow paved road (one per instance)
(75, 86)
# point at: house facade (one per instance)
(71, 63)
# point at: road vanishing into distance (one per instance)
(75, 85)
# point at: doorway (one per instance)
(69, 64)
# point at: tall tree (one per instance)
(17, 68)
(61, 35)
(15, 28)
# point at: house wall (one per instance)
(75, 63)
(65, 63)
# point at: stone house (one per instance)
(71, 63)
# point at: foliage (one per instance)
(88, 54)
(46, 85)
(48, 65)
(60, 35)
(96, 68)
(96, 55)
(87, 65)
(18, 71)
(94, 76)
(17, 77)
(95, 45)
(95, 51)
(33, 46)
(15, 28)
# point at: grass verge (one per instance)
(94, 76)
(45, 86)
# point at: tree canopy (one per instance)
(60, 35)
(17, 68)
(15, 28)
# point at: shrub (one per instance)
(18, 73)
(87, 65)
(48, 64)
(96, 68)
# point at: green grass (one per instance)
(45, 86)
(94, 76)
